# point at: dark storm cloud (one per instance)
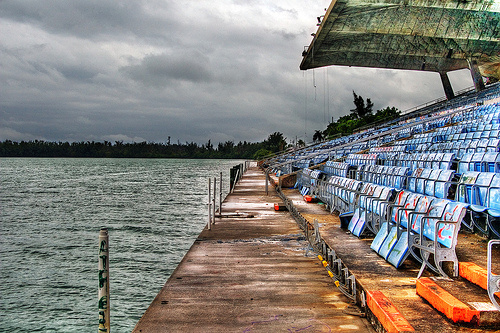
(91, 18)
(162, 69)
(192, 70)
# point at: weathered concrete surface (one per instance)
(251, 275)
(372, 272)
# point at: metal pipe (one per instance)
(209, 224)
(220, 194)
(213, 200)
(235, 179)
(267, 181)
(103, 291)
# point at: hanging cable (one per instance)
(324, 97)
(328, 94)
(305, 106)
(314, 83)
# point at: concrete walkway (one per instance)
(251, 274)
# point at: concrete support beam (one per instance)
(448, 89)
(476, 75)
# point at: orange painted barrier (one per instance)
(446, 303)
(474, 273)
(308, 198)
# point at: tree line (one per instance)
(362, 115)
(226, 150)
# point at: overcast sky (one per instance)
(198, 70)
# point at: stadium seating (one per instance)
(433, 174)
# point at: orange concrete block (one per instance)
(308, 198)
(474, 273)
(446, 303)
(388, 315)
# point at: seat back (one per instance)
(443, 183)
(402, 215)
(476, 161)
(400, 176)
(491, 162)
(447, 233)
(447, 161)
(422, 180)
(412, 179)
(480, 189)
(435, 210)
(464, 187)
(431, 182)
(422, 207)
(464, 164)
(493, 198)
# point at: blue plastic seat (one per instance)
(447, 160)
(422, 180)
(491, 162)
(396, 246)
(465, 184)
(438, 235)
(476, 161)
(493, 144)
(464, 164)
(389, 218)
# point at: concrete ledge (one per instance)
(288, 180)
(446, 303)
(387, 314)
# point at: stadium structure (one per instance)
(424, 35)
(420, 190)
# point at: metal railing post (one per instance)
(103, 291)
(267, 181)
(235, 179)
(209, 224)
(493, 282)
(220, 194)
(213, 200)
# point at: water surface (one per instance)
(51, 211)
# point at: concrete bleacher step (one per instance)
(461, 301)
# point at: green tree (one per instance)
(261, 154)
(362, 110)
(387, 114)
(318, 136)
(275, 142)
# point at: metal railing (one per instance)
(343, 279)
(493, 279)
(236, 174)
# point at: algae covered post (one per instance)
(103, 293)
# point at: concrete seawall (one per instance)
(253, 272)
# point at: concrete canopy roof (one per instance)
(430, 35)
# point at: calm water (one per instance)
(51, 211)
